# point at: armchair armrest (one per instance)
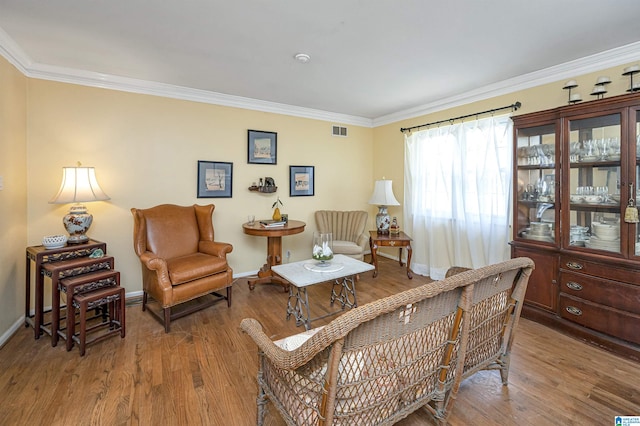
(363, 241)
(154, 263)
(215, 248)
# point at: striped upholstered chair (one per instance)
(349, 229)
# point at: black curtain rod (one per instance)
(513, 107)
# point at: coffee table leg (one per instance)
(298, 306)
(347, 295)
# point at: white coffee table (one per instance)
(342, 270)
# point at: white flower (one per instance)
(326, 250)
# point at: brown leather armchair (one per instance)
(180, 260)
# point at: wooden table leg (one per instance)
(274, 257)
(38, 316)
(27, 292)
(409, 251)
(374, 256)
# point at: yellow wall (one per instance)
(146, 148)
(13, 198)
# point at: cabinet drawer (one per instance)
(603, 270)
(623, 325)
(625, 297)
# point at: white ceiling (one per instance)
(370, 59)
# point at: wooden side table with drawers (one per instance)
(390, 240)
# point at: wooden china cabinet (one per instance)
(576, 169)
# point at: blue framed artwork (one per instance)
(301, 181)
(215, 179)
(262, 147)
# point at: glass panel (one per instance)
(536, 156)
(594, 183)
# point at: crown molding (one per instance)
(132, 85)
(10, 50)
(18, 58)
(599, 61)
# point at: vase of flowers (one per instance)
(322, 247)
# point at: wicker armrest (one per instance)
(286, 359)
(292, 343)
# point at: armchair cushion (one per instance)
(193, 266)
(348, 248)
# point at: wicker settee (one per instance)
(379, 362)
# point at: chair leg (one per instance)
(144, 301)
(229, 296)
(167, 319)
(261, 403)
(504, 368)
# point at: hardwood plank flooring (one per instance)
(203, 372)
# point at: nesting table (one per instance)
(342, 270)
(40, 256)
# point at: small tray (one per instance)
(329, 267)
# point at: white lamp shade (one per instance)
(383, 194)
(79, 185)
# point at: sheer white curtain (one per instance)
(457, 194)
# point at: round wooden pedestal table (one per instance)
(274, 249)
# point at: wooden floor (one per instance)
(203, 372)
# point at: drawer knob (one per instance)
(574, 286)
(574, 265)
(573, 310)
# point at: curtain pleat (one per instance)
(457, 195)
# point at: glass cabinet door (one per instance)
(536, 153)
(594, 183)
(635, 243)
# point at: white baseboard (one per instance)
(11, 331)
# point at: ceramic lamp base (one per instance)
(383, 220)
(77, 222)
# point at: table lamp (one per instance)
(79, 185)
(383, 197)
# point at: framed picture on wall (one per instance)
(215, 179)
(301, 181)
(262, 147)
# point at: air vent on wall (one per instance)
(339, 131)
